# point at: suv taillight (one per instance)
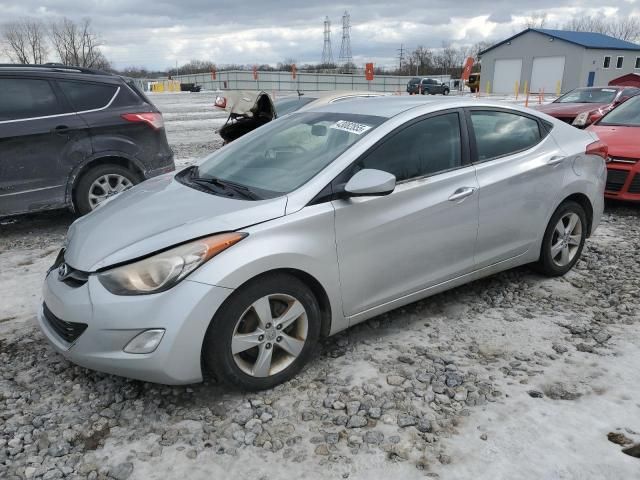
(598, 148)
(154, 120)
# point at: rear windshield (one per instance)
(589, 95)
(627, 114)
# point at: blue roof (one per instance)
(584, 39)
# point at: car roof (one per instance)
(391, 106)
(59, 71)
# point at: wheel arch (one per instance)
(104, 158)
(316, 288)
(582, 200)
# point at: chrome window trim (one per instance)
(64, 114)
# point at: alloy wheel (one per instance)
(107, 186)
(269, 335)
(566, 239)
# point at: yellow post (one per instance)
(488, 87)
(558, 88)
(526, 92)
(516, 89)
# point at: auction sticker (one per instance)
(351, 127)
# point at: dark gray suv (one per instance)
(72, 137)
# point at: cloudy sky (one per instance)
(159, 33)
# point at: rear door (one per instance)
(520, 171)
(40, 139)
(101, 106)
(421, 234)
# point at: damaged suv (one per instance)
(73, 137)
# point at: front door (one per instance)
(35, 136)
(591, 79)
(424, 232)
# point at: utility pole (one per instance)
(327, 54)
(346, 58)
(400, 58)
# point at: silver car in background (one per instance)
(311, 224)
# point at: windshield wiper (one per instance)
(242, 190)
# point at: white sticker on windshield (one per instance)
(351, 127)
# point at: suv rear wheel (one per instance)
(100, 183)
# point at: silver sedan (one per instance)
(311, 224)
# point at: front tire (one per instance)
(101, 183)
(264, 333)
(445, 92)
(563, 240)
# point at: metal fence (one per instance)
(306, 82)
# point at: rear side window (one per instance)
(427, 147)
(87, 96)
(501, 133)
(22, 98)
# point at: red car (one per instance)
(620, 130)
(583, 106)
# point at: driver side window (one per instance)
(424, 148)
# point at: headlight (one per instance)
(163, 270)
(581, 119)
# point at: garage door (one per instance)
(505, 75)
(546, 73)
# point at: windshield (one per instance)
(627, 114)
(414, 81)
(589, 95)
(284, 154)
(291, 104)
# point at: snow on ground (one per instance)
(515, 376)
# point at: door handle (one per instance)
(461, 193)
(555, 160)
(61, 130)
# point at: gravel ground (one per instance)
(482, 381)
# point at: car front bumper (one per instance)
(112, 321)
(623, 181)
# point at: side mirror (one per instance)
(370, 182)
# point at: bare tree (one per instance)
(536, 20)
(76, 44)
(24, 41)
(627, 28)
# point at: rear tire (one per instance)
(102, 181)
(252, 341)
(563, 240)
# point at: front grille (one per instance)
(634, 187)
(626, 160)
(615, 180)
(68, 331)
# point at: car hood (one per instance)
(154, 215)
(622, 141)
(562, 109)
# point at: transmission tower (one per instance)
(327, 54)
(345, 47)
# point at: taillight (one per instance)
(221, 102)
(154, 120)
(598, 148)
